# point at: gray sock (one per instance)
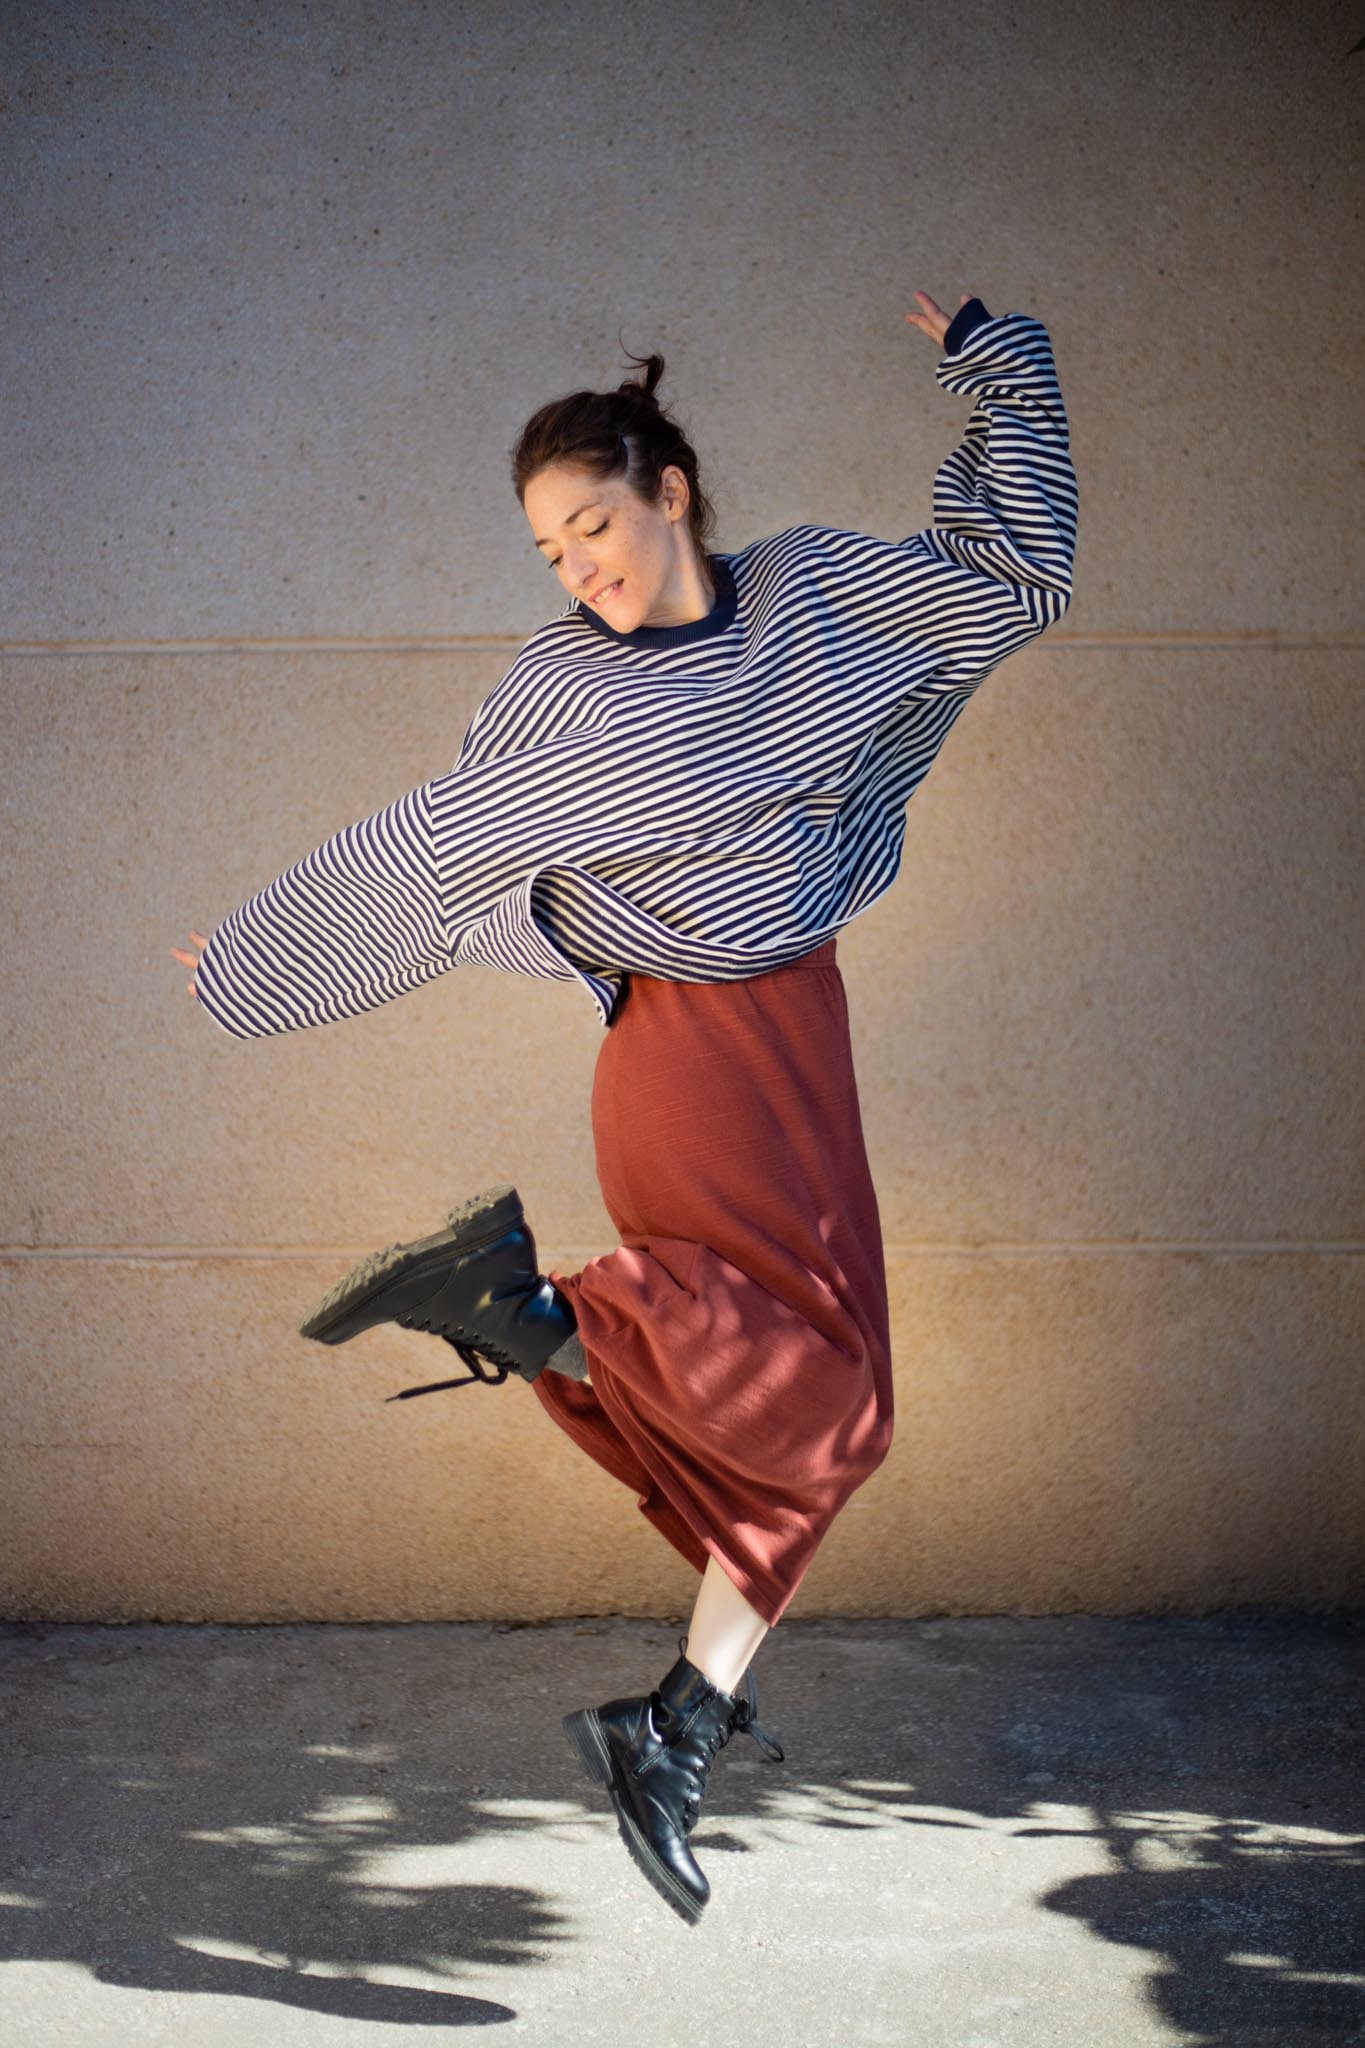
(569, 1359)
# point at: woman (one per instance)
(686, 784)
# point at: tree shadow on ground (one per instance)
(309, 1814)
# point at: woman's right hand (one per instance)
(191, 959)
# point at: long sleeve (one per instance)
(706, 808)
(352, 925)
(1005, 500)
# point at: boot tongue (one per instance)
(742, 1706)
(686, 1687)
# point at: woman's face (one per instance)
(635, 563)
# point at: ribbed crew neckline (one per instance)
(715, 621)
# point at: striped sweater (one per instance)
(704, 801)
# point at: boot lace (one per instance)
(469, 1352)
(747, 1722)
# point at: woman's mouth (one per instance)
(610, 591)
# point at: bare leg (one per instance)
(725, 1629)
(570, 1359)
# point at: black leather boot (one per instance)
(654, 1755)
(475, 1282)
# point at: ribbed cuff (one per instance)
(961, 325)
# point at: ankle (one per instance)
(569, 1359)
(719, 1674)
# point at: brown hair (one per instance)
(614, 433)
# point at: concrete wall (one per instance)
(281, 288)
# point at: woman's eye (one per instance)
(591, 536)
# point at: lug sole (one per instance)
(584, 1731)
(340, 1314)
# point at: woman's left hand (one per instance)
(935, 322)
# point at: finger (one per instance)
(198, 938)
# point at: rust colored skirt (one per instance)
(738, 1341)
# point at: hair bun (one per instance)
(640, 390)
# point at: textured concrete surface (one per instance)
(285, 287)
(282, 287)
(986, 1833)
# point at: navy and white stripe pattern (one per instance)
(699, 802)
